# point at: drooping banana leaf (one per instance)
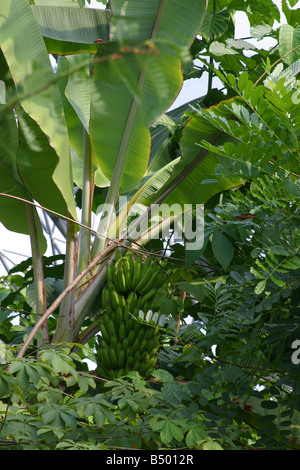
(70, 24)
(164, 142)
(12, 211)
(28, 61)
(36, 161)
(138, 82)
(68, 30)
(65, 48)
(75, 88)
(194, 179)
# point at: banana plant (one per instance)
(97, 121)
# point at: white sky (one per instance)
(17, 246)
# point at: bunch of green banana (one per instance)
(126, 344)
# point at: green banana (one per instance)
(105, 357)
(114, 297)
(148, 372)
(118, 348)
(153, 351)
(125, 343)
(111, 327)
(115, 279)
(136, 327)
(119, 316)
(137, 272)
(152, 343)
(129, 256)
(129, 361)
(156, 330)
(111, 374)
(105, 298)
(147, 367)
(153, 280)
(121, 358)
(143, 356)
(120, 373)
(113, 357)
(143, 344)
(149, 294)
(140, 302)
(146, 265)
(129, 326)
(118, 255)
(122, 330)
(122, 279)
(131, 337)
(151, 362)
(103, 344)
(141, 333)
(125, 312)
(122, 301)
(127, 273)
(131, 300)
(137, 355)
(103, 371)
(143, 280)
(114, 341)
(119, 272)
(135, 346)
(104, 331)
(109, 273)
(104, 322)
(136, 365)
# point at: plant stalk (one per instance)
(38, 271)
(66, 319)
(61, 297)
(87, 187)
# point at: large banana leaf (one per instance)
(193, 180)
(72, 24)
(28, 61)
(12, 211)
(68, 30)
(76, 87)
(137, 83)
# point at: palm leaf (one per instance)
(72, 24)
(30, 67)
(139, 83)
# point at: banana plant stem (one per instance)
(37, 265)
(65, 292)
(66, 319)
(87, 186)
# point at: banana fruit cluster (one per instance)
(127, 344)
